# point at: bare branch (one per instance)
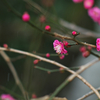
(64, 23)
(47, 98)
(17, 80)
(71, 77)
(88, 94)
(54, 63)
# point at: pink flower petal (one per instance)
(59, 47)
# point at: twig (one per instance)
(46, 32)
(17, 58)
(54, 70)
(47, 70)
(47, 97)
(64, 23)
(40, 54)
(88, 94)
(79, 29)
(71, 77)
(17, 80)
(54, 63)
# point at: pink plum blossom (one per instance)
(88, 4)
(77, 1)
(98, 44)
(94, 13)
(59, 47)
(6, 97)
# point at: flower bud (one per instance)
(5, 45)
(47, 55)
(36, 61)
(26, 17)
(65, 43)
(86, 54)
(62, 56)
(74, 33)
(34, 96)
(47, 28)
(61, 70)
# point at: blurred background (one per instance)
(20, 35)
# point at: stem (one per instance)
(88, 94)
(58, 89)
(93, 53)
(55, 63)
(55, 70)
(71, 77)
(46, 32)
(17, 80)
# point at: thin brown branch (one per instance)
(88, 94)
(74, 27)
(47, 98)
(46, 32)
(71, 77)
(82, 68)
(64, 23)
(17, 80)
(54, 63)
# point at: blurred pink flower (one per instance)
(98, 44)
(77, 1)
(94, 13)
(59, 47)
(88, 4)
(6, 97)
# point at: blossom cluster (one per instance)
(93, 12)
(98, 44)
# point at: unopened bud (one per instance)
(86, 54)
